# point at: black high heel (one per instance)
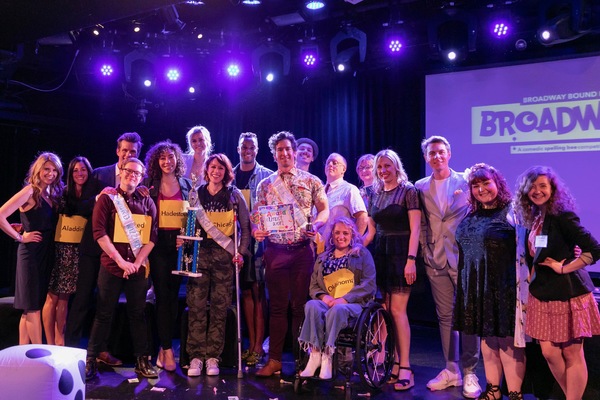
(490, 393)
(515, 395)
(405, 384)
(394, 377)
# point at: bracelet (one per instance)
(411, 257)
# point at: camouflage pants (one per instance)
(206, 335)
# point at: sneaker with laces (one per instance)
(212, 367)
(444, 380)
(195, 367)
(471, 388)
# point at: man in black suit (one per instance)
(128, 145)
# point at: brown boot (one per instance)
(106, 358)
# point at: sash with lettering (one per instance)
(126, 218)
(286, 197)
(222, 240)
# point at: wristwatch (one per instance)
(411, 257)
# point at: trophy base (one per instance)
(196, 238)
(187, 273)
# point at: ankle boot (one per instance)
(145, 368)
(326, 367)
(314, 361)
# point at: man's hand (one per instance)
(260, 235)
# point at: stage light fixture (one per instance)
(252, 2)
(106, 70)
(500, 29)
(270, 77)
(271, 57)
(564, 21)
(309, 55)
(147, 83)
(233, 70)
(173, 74)
(456, 33)
(172, 23)
(347, 45)
(314, 5)
(191, 90)
(394, 46)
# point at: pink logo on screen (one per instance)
(68, 378)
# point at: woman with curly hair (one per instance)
(37, 203)
(487, 280)
(561, 310)
(200, 146)
(168, 188)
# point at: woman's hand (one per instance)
(337, 301)
(238, 261)
(410, 272)
(31, 237)
(557, 266)
(328, 300)
(108, 191)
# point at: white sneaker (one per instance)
(471, 388)
(195, 367)
(326, 366)
(212, 367)
(444, 380)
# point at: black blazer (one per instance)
(564, 231)
(106, 175)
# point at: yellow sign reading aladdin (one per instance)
(69, 229)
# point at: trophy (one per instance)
(188, 252)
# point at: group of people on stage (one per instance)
(502, 268)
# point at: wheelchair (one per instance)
(369, 340)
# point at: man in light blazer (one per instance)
(443, 198)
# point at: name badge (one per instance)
(541, 241)
(69, 229)
(172, 214)
(143, 224)
(223, 220)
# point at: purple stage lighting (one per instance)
(173, 74)
(106, 70)
(233, 70)
(500, 29)
(394, 45)
(147, 82)
(309, 59)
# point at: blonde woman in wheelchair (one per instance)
(342, 283)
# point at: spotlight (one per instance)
(314, 5)
(270, 58)
(394, 46)
(345, 45)
(147, 83)
(192, 90)
(451, 55)
(341, 67)
(499, 29)
(173, 75)
(106, 70)
(270, 77)
(137, 28)
(309, 54)
(564, 21)
(452, 33)
(252, 2)
(233, 70)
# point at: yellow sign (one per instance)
(143, 224)
(223, 220)
(69, 229)
(320, 243)
(246, 193)
(172, 214)
(339, 282)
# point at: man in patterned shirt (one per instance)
(289, 257)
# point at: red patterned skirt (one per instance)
(562, 321)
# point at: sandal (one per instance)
(490, 393)
(253, 359)
(245, 354)
(515, 395)
(394, 377)
(405, 384)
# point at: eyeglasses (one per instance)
(128, 171)
(365, 168)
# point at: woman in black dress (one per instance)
(486, 291)
(395, 221)
(37, 203)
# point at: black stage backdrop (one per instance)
(351, 115)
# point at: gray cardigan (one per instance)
(361, 265)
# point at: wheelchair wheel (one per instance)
(374, 345)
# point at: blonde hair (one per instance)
(401, 176)
(33, 178)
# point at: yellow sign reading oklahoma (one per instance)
(172, 214)
(143, 223)
(339, 282)
(69, 229)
